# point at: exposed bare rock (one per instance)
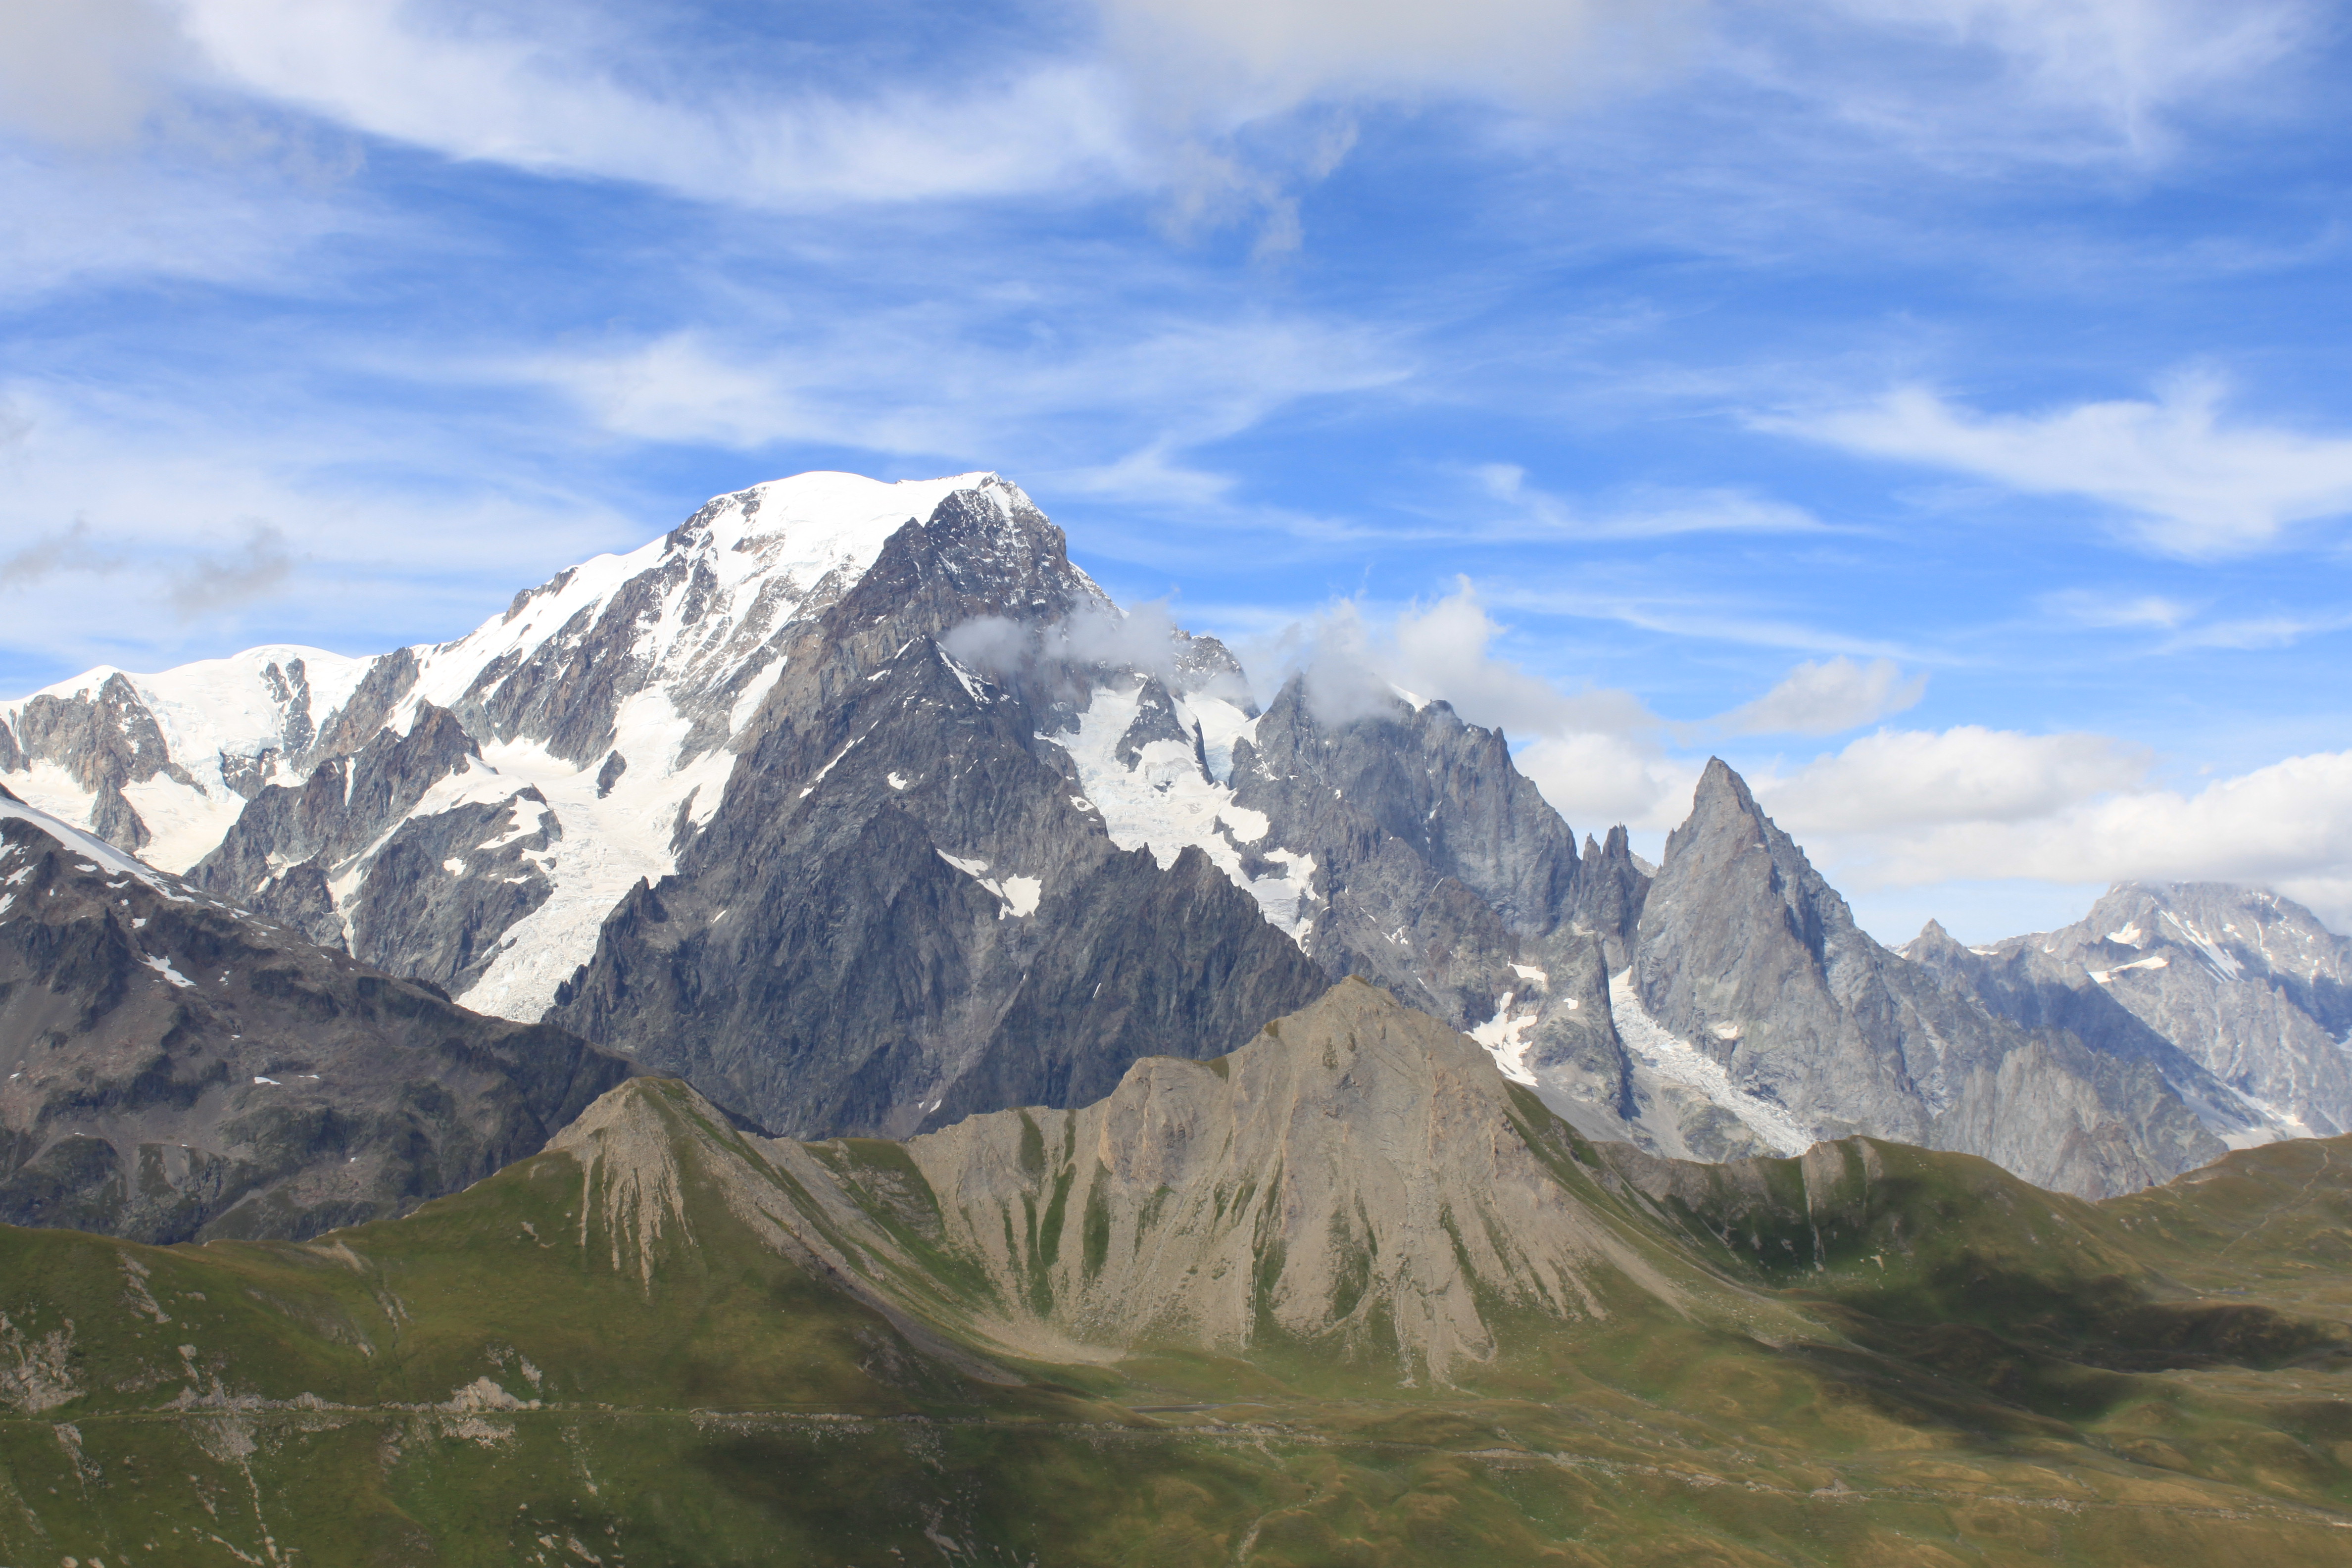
(2248, 986)
(1357, 1174)
(1750, 961)
(902, 911)
(1358, 1178)
(176, 1069)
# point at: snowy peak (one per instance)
(695, 614)
(160, 764)
(2245, 986)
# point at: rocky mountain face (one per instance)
(1748, 963)
(1446, 877)
(1359, 1176)
(161, 765)
(179, 1069)
(2240, 996)
(905, 909)
(861, 808)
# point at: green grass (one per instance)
(1921, 1361)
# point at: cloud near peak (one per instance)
(1825, 697)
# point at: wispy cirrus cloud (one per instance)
(526, 97)
(1647, 513)
(927, 381)
(2103, 611)
(2180, 476)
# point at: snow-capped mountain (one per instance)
(862, 808)
(2247, 986)
(162, 764)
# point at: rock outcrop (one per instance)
(178, 1070)
(1746, 957)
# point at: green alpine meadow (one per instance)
(1343, 1296)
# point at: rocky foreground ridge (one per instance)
(863, 809)
(1344, 1294)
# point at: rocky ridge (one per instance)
(2240, 996)
(180, 1070)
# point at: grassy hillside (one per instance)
(662, 1341)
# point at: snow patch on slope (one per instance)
(1165, 803)
(1016, 896)
(1504, 1035)
(1674, 1062)
(99, 851)
(608, 846)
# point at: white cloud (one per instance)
(2085, 607)
(1824, 698)
(1909, 779)
(922, 381)
(2124, 61)
(1891, 63)
(144, 536)
(1910, 809)
(2189, 482)
(1249, 57)
(1154, 100)
(85, 73)
(541, 101)
(1597, 754)
(1648, 513)
(1598, 781)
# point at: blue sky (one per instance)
(1935, 406)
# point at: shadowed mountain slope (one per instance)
(177, 1068)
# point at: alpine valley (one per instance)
(824, 1041)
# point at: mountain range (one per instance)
(863, 809)
(825, 1040)
(1346, 1295)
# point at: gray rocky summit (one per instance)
(2243, 996)
(1750, 959)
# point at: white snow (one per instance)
(812, 535)
(98, 849)
(2130, 936)
(1529, 972)
(766, 556)
(2225, 966)
(1676, 1061)
(1164, 803)
(607, 846)
(2107, 976)
(1016, 896)
(162, 966)
(207, 709)
(1505, 1038)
